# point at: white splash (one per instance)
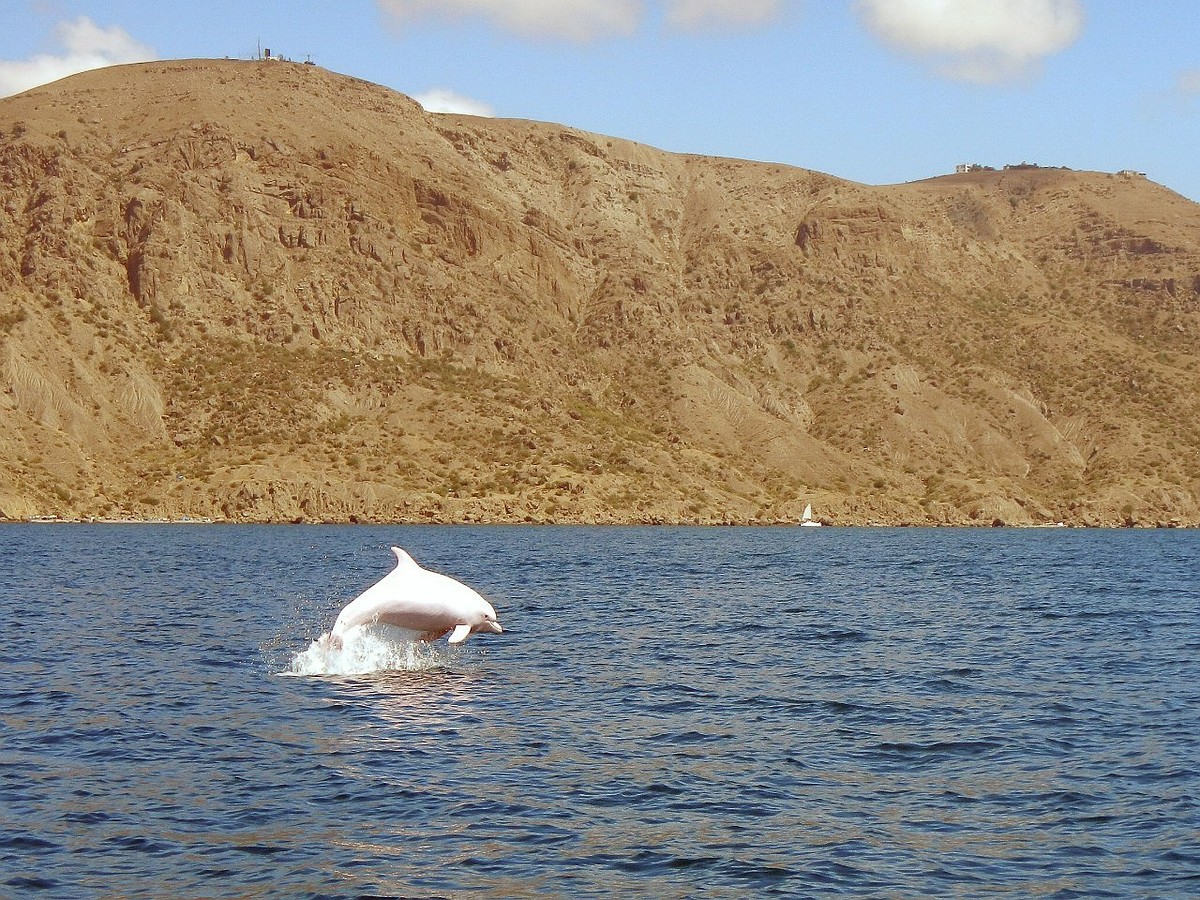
(370, 648)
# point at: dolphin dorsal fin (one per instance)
(461, 633)
(403, 559)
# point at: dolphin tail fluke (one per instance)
(330, 641)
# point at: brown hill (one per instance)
(263, 291)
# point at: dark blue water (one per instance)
(671, 713)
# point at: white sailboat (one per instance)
(807, 518)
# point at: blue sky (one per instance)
(878, 91)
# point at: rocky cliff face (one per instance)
(251, 290)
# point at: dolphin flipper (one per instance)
(461, 633)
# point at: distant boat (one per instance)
(807, 519)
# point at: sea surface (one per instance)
(671, 712)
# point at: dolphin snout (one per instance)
(494, 627)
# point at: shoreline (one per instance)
(353, 522)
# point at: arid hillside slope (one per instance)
(264, 291)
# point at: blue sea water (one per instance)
(672, 712)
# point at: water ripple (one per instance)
(674, 713)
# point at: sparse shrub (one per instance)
(12, 318)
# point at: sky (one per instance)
(876, 91)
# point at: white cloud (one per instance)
(443, 100)
(1188, 83)
(694, 14)
(585, 20)
(576, 20)
(977, 40)
(85, 46)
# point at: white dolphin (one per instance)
(427, 603)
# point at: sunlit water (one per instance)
(670, 713)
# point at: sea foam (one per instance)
(368, 649)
